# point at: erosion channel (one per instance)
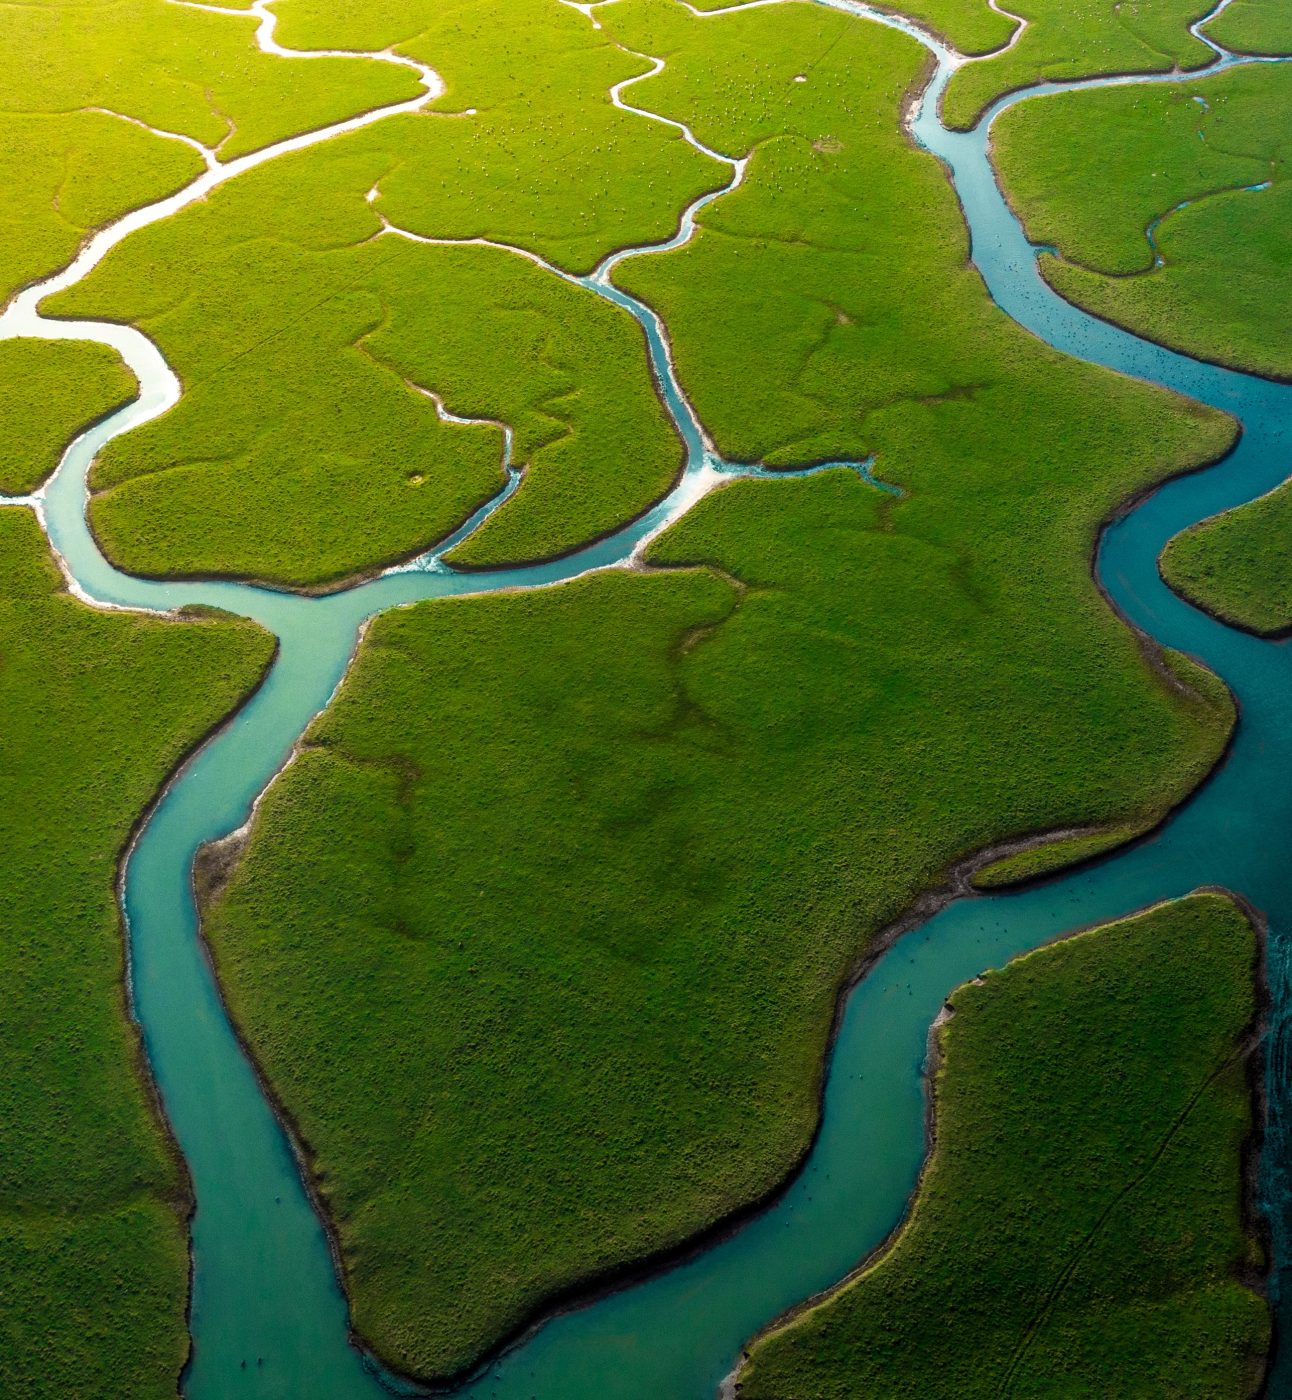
(268, 1315)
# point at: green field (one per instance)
(601, 858)
(73, 152)
(49, 391)
(1065, 39)
(302, 452)
(1254, 26)
(1082, 1226)
(97, 707)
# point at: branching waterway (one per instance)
(268, 1315)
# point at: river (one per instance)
(268, 1315)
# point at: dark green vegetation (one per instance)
(1236, 564)
(1080, 1228)
(97, 708)
(1254, 26)
(539, 938)
(49, 391)
(1090, 172)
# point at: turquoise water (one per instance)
(268, 1317)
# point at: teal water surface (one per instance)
(269, 1319)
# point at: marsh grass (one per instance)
(1080, 1227)
(540, 938)
(50, 390)
(97, 708)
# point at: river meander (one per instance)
(268, 1315)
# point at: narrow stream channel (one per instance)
(269, 1319)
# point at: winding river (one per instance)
(268, 1316)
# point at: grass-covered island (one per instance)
(97, 708)
(1083, 1225)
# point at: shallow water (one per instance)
(269, 1319)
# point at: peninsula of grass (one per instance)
(1170, 207)
(98, 707)
(1254, 26)
(1235, 565)
(50, 390)
(1083, 1224)
(539, 938)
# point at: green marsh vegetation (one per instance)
(1254, 26)
(1236, 564)
(71, 154)
(303, 451)
(540, 937)
(1090, 172)
(300, 454)
(97, 707)
(1062, 39)
(1080, 1227)
(50, 390)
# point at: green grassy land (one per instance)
(1080, 1228)
(299, 454)
(49, 391)
(1089, 172)
(600, 858)
(97, 708)
(1235, 564)
(1254, 26)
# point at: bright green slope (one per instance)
(600, 858)
(97, 708)
(1089, 172)
(1081, 1226)
(1254, 26)
(71, 154)
(50, 390)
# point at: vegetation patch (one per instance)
(1235, 564)
(97, 707)
(1170, 207)
(1080, 1227)
(50, 390)
(1066, 39)
(308, 445)
(1254, 26)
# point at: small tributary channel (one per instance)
(268, 1316)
